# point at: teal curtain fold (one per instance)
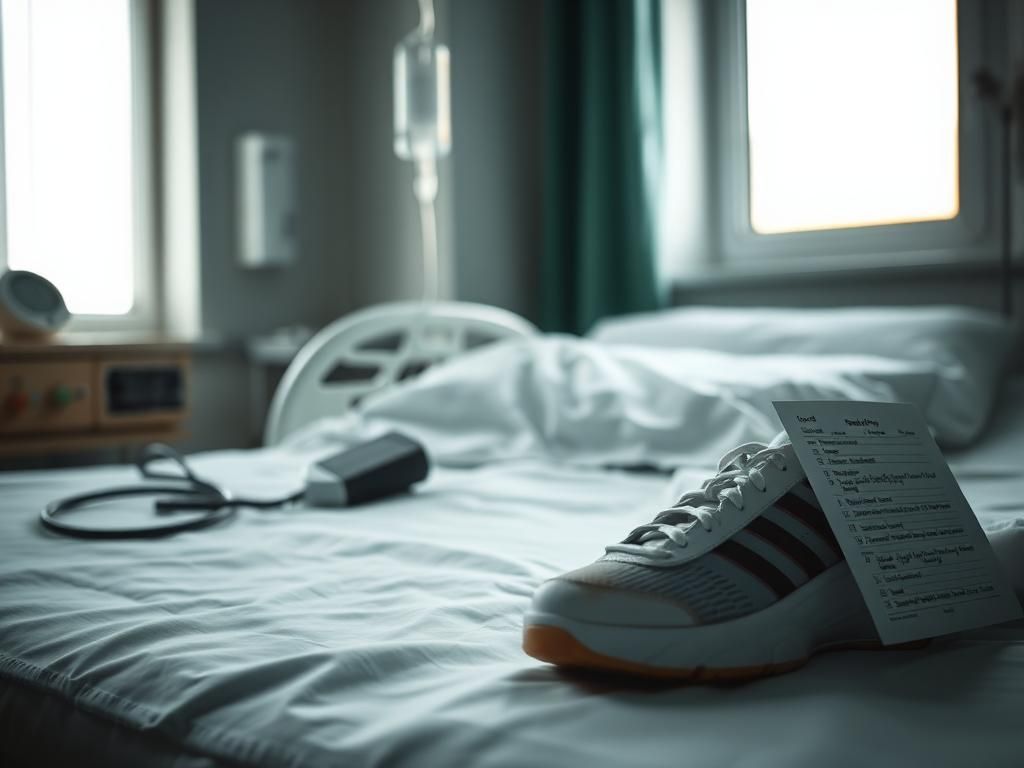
(602, 160)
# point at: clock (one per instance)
(30, 305)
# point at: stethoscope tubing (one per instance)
(208, 497)
(197, 495)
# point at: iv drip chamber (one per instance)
(423, 129)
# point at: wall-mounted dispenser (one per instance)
(266, 200)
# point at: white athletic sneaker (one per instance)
(740, 579)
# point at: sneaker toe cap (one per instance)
(603, 605)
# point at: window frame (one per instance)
(969, 236)
(145, 314)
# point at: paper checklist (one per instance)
(916, 550)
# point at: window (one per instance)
(852, 113)
(824, 133)
(75, 153)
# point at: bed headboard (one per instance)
(371, 349)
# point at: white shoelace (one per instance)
(739, 467)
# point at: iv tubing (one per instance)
(427, 17)
(425, 188)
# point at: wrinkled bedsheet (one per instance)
(389, 634)
(564, 399)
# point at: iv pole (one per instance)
(423, 129)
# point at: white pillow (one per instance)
(968, 348)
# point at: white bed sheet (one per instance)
(389, 635)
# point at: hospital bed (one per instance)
(390, 634)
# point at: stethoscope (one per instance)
(190, 493)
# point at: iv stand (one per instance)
(423, 129)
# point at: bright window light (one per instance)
(68, 148)
(852, 109)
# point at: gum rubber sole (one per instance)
(557, 646)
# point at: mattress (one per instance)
(390, 635)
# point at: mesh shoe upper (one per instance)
(788, 543)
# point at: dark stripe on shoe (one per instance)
(788, 544)
(756, 566)
(804, 491)
(794, 526)
(809, 515)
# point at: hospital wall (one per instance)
(321, 72)
(489, 202)
(268, 66)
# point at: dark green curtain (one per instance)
(602, 160)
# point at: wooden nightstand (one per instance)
(80, 393)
